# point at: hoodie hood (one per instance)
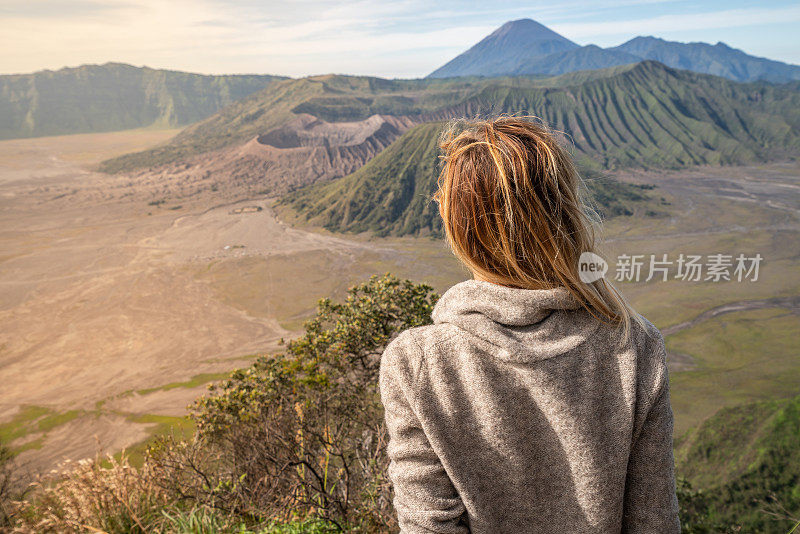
(523, 324)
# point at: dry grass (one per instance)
(85, 496)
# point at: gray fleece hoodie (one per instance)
(517, 412)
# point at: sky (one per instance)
(393, 38)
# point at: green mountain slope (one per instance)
(746, 460)
(100, 98)
(650, 115)
(391, 195)
(645, 115)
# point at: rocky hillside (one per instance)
(390, 195)
(302, 151)
(114, 96)
(331, 98)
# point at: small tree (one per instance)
(301, 433)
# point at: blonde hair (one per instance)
(513, 211)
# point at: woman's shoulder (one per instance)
(409, 348)
(645, 334)
(420, 338)
(651, 352)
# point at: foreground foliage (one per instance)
(295, 443)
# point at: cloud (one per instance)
(44, 9)
(390, 38)
(680, 22)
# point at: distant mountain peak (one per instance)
(505, 49)
(527, 29)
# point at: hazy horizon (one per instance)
(397, 39)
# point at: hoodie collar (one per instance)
(524, 324)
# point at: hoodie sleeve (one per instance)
(424, 496)
(651, 505)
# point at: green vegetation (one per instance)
(52, 420)
(391, 195)
(204, 520)
(163, 426)
(747, 462)
(32, 420)
(611, 198)
(195, 381)
(739, 358)
(641, 115)
(114, 96)
(7, 493)
(22, 422)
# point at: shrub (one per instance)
(301, 434)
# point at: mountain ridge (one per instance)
(644, 114)
(489, 58)
(719, 59)
(114, 96)
(391, 194)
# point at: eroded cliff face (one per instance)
(303, 151)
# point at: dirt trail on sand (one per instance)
(790, 303)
